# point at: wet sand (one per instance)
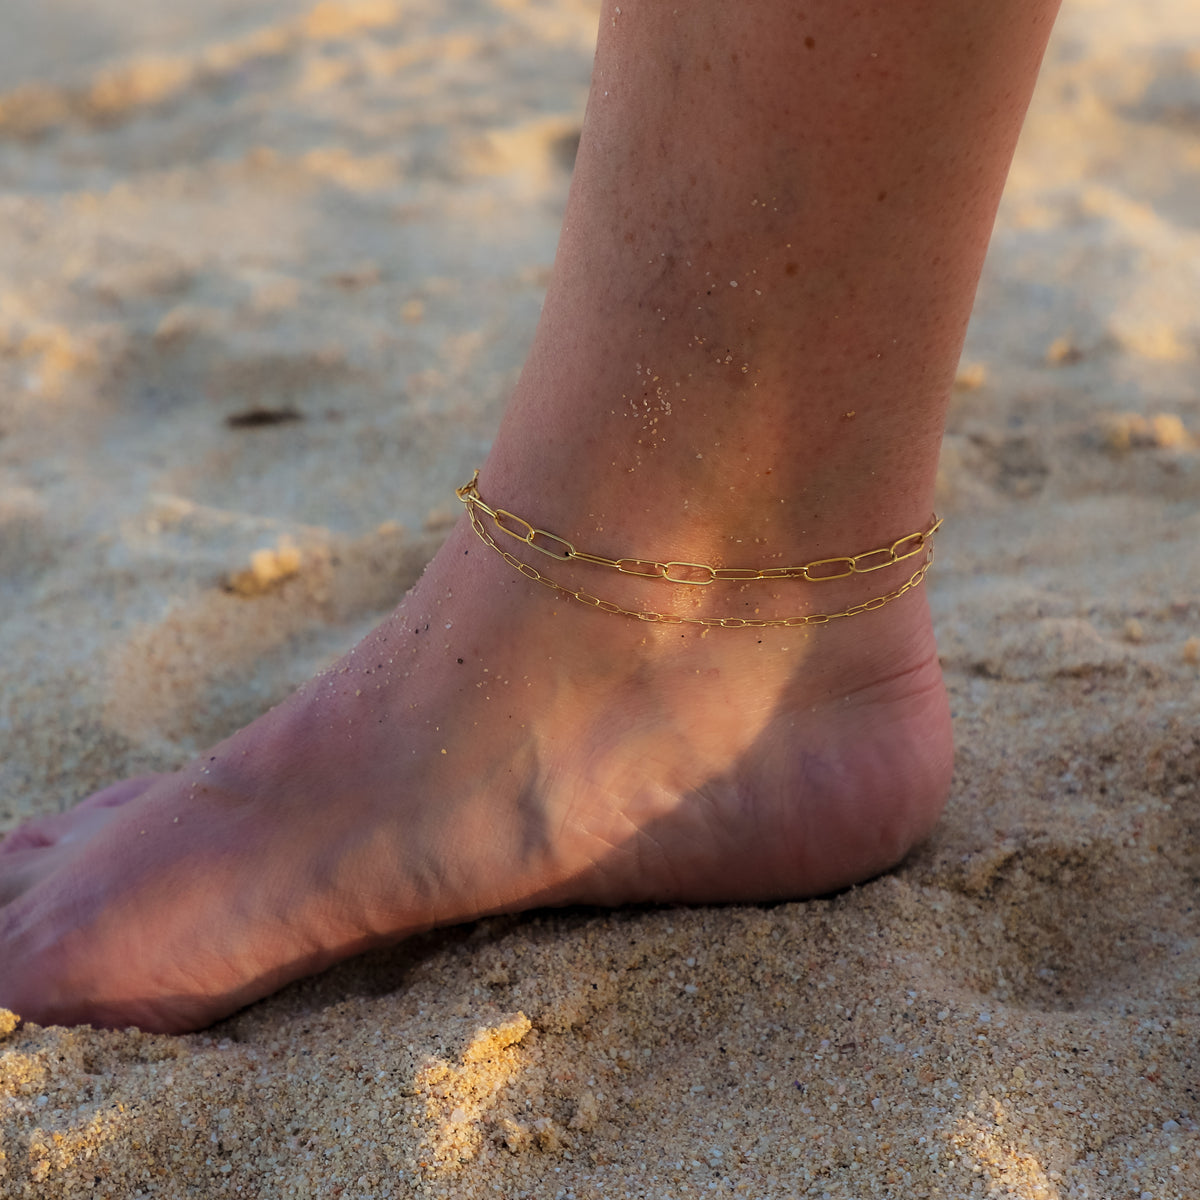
(267, 272)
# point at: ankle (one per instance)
(740, 582)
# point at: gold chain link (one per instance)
(899, 551)
(821, 570)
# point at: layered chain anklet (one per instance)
(821, 570)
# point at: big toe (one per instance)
(78, 823)
(40, 847)
(119, 793)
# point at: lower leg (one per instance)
(776, 227)
(493, 746)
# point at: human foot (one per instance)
(490, 747)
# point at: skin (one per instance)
(493, 745)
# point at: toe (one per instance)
(21, 869)
(31, 836)
(77, 822)
(119, 793)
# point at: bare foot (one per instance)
(490, 747)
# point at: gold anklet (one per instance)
(562, 550)
(820, 570)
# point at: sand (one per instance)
(267, 272)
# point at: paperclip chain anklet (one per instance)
(696, 574)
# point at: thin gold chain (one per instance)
(470, 497)
(821, 570)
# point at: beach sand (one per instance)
(267, 273)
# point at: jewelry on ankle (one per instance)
(820, 570)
